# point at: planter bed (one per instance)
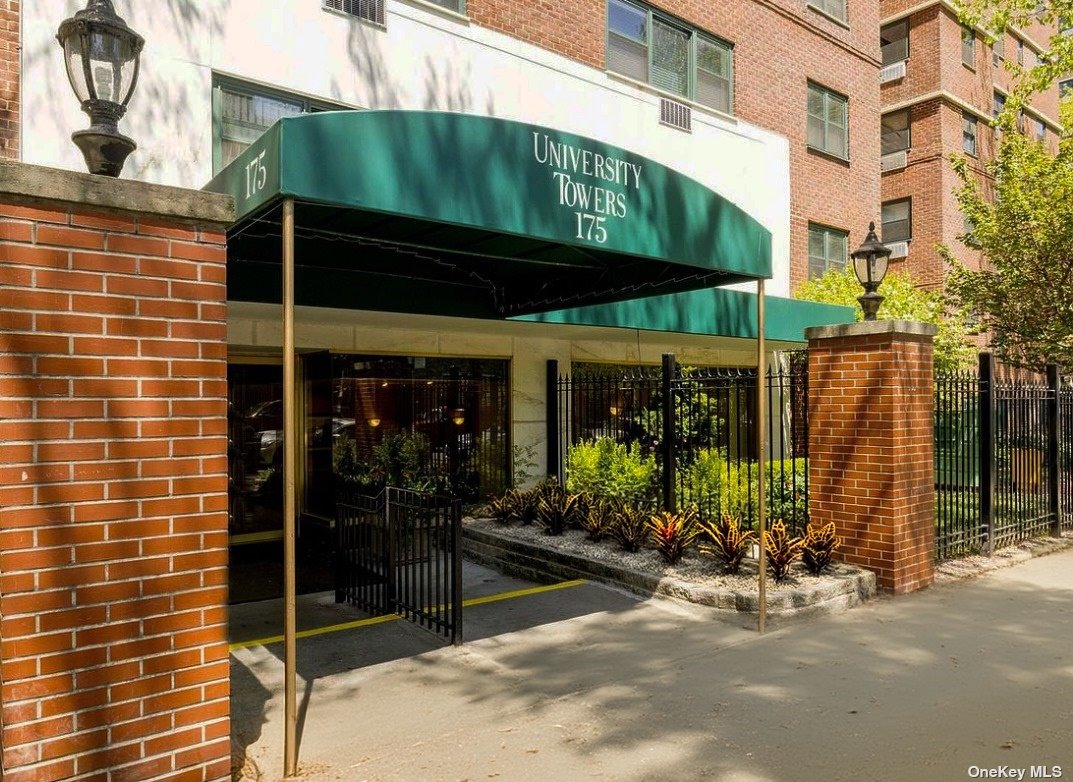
(527, 552)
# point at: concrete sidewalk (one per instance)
(977, 673)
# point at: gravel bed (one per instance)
(694, 568)
(978, 564)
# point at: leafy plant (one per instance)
(703, 485)
(729, 542)
(785, 484)
(556, 510)
(781, 550)
(525, 463)
(504, 508)
(599, 518)
(818, 546)
(528, 502)
(630, 527)
(672, 532)
(605, 468)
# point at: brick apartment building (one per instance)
(941, 85)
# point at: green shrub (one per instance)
(703, 485)
(504, 508)
(728, 542)
(605, 468)
(781, 550)
(785, 481)
(818, 546)
(672, 532)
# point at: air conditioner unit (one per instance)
(677, 115)
(894, 71)
(898, 249)
(892, 161)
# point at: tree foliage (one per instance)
(902, 301)
(1023, 294)
(1021, 211)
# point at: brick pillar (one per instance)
(871, 446)
(113, 479)
(10, 47)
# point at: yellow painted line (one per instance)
(378, 620)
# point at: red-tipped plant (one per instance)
(818, 547)
(672, 532)
(728, 542)
(781, 550)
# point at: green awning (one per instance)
(717, 312)
(456, 214)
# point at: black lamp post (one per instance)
(870, 265)
(101, 54)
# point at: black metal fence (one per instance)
(400, 552)
(709, 458)
(1003, 457)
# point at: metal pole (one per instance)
(761, 429)
(1054, 387)
(986, 462)
(670, 427)
(290, 448)
(551, 393)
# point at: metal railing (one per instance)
(709, 459)
(401, 553)
(1003, 457)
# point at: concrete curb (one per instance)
(536, 563)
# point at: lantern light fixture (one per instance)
(870, 262)
(101, 54)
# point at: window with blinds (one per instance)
(671, 56)
(827, 248)
(828, 121)
(242, 113)
(835, 8)
(370, 10)
(968, 133)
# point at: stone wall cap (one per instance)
(42, 184)
(867, 327)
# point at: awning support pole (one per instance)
(761, 431)
(290, 448)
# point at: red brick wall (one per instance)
(9, 79)
(113, 498)
(871, 450)
(778, 47)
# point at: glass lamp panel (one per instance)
(72, 55)
(112, 62)
(861, 268)
(879, 269)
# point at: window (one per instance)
(1020, 52)
(370, 10)
(894, 42)
(241, 114)
(968, 47)
(1065, 87)
(672, 57)
(998, 49)
(968, 133)
(1000, 104)
(895, 132)
(1041, 130)
(826, 249)
(828, 121)
(897, 221)
(835, 8)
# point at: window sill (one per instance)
(967, 66)
(825, 15)
(828, 155)
(646, 87)
(447, 13)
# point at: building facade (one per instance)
(941, 86)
